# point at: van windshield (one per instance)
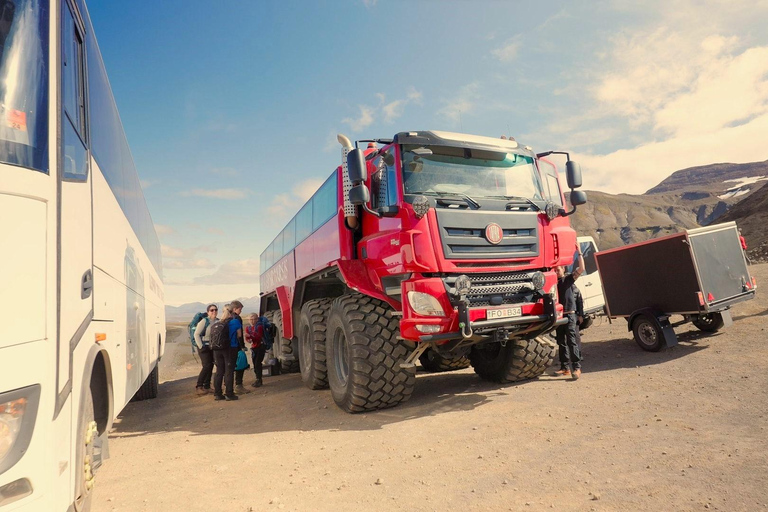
(473, 172)
(24, 83)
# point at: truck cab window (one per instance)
(73, 118)
(384, 180)
(551, 183)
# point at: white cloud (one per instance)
(145, 184)
(221, 193)
(285, 203)
(461, 104)
(370, 3)
(306, 188)
(364, 121)
(393, 110)
(509, 51)
(235, 272)
(183, 263)
(168, 251)
(226, 171)
(162, 229)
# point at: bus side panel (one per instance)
(127, 304)
(327, 245)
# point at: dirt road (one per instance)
(682, 429)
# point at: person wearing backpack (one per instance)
(226, 341)
(202, 337)
(255, 333)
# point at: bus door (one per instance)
(75, 262)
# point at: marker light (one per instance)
(425, 304)
(701, 298)
(420, 206)
(710, 297)
(428, 329)
(463, 285)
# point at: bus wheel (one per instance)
(364, 355)
(87, 434)
(283, 347)
(519, 359)
(148, 390)
(431, 361)
(711, 322)
(311, 343)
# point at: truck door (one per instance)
(75, 272)
(589, 283)
(385, 192)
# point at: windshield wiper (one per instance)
(471, 202)
(518, 198)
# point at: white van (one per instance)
(589, 283)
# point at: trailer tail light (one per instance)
(754, 283)
(701, 298)
(710, 297)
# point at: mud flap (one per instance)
(670, 338)
(727, 318)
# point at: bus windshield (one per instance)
(472, 172)
(24, 83)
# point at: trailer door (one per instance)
(720, 262)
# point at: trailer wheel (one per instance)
(648, 333)
(519, 359)
(364, 355)
(431, 361)
(311, 343)
(283, 347)
(148, 390)
(711, 322)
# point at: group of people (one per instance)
(222, 342)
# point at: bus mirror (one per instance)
(359, 195)
(578, 197)
(356, 167)
(573, 174)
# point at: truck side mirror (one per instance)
(573, 174)
(356, 167)
(577, 197)
(359, 195)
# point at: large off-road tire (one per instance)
(519, 360)
(647, 333)
(148, 390)
(711, 322)
(311, 343)
(364, 355)
(86, 434)
(283, 347)
(431, 361)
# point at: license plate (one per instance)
(492, 314)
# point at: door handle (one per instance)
(87, 283)
(588, 284)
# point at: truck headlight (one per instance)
(425, 304)
(538, 280)
(17, 419)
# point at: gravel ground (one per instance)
(682, 429)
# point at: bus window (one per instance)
(304, 222)
(73, 99)
(24, 65)
(324, 203)
(289, 236)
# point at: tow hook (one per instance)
(464, 323)
(501, 335)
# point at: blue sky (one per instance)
(231, 108)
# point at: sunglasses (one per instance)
(213, 309)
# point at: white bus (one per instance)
(81, 293)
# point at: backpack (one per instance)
(242, 361)
(193, 326)
(220, 335)
(269, 331)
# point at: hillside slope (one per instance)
(751, 215)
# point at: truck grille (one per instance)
(463, 234)
(497, 289)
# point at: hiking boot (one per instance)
(257, 384)
(229, 398)
(218, 397)
(563, 372)
(576, 373)
(240, 390)
(201, 391)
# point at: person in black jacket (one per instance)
(579, 314)
(570, 356)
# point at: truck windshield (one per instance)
(24, 83)
(473, 172)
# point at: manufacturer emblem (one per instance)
(493, 233)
